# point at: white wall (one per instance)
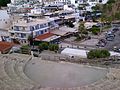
(4, 19)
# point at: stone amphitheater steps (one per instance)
(19, 67)
(5, 80)
(9, 69)
(12, 77)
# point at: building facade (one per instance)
(90, 2)
(55, 2)
(23, 28)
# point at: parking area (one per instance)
(107, 40)
(114, 40)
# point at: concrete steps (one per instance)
(5, 79)
(12, 77)
(18, 68)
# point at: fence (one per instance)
(103, 61)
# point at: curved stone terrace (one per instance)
(21, 72)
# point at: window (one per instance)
(12, 34)
(23, 35)
(31, 28)
(41, 32)
(23, 28)
(16, 28)
(37, 33)
(41, 26)
(45, 30)
(37, 26)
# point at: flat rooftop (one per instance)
(31, 22)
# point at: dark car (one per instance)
(101, 43)
(117, 50)
(35, 54)
(115, 29)
(110, 34)
(110, 38)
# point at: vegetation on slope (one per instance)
(111, 10)
(4, 2)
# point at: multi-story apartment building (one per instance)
(53, 2)
(90, 2)
(23, 28)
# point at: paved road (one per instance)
(115, 42)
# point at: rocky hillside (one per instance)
(112, 9)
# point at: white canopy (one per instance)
(82, 53)
(75, 52)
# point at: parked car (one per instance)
(110, 38)
(101, 43)
(109, 34)
(36, 54)
(115, 29)
(117, 50)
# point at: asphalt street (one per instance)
(116, 42)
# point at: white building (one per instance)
(5, 23)
(24, 27)
(90, 2)
(55, 2)
(4, 19)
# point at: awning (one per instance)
(47, 37)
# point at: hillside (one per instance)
(112, 9)
(4, 2)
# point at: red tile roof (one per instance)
(44, 36)
(5, 46)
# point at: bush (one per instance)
(25, 49)
(53, 47)
(95, 30)
(4, 2)
(40, 47)
(98, 54)
(44, 45)
(110, 1)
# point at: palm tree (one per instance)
(102, 21)
(30, 39)
(81, 29)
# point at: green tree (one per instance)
(45, 45)
(97, 53)
(95, 8)
(81, 29)
(4, 2)
(53, 47)
(110, 1)
(25, 49)
(117, 15)
(40, 47)
(95, 30)
(30, 40)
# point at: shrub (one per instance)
(4, 2)
(44, 45)
(53, 47)
(40, 47)
(25, 49)
(56, 47)
(95, 30)
(96, 53)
